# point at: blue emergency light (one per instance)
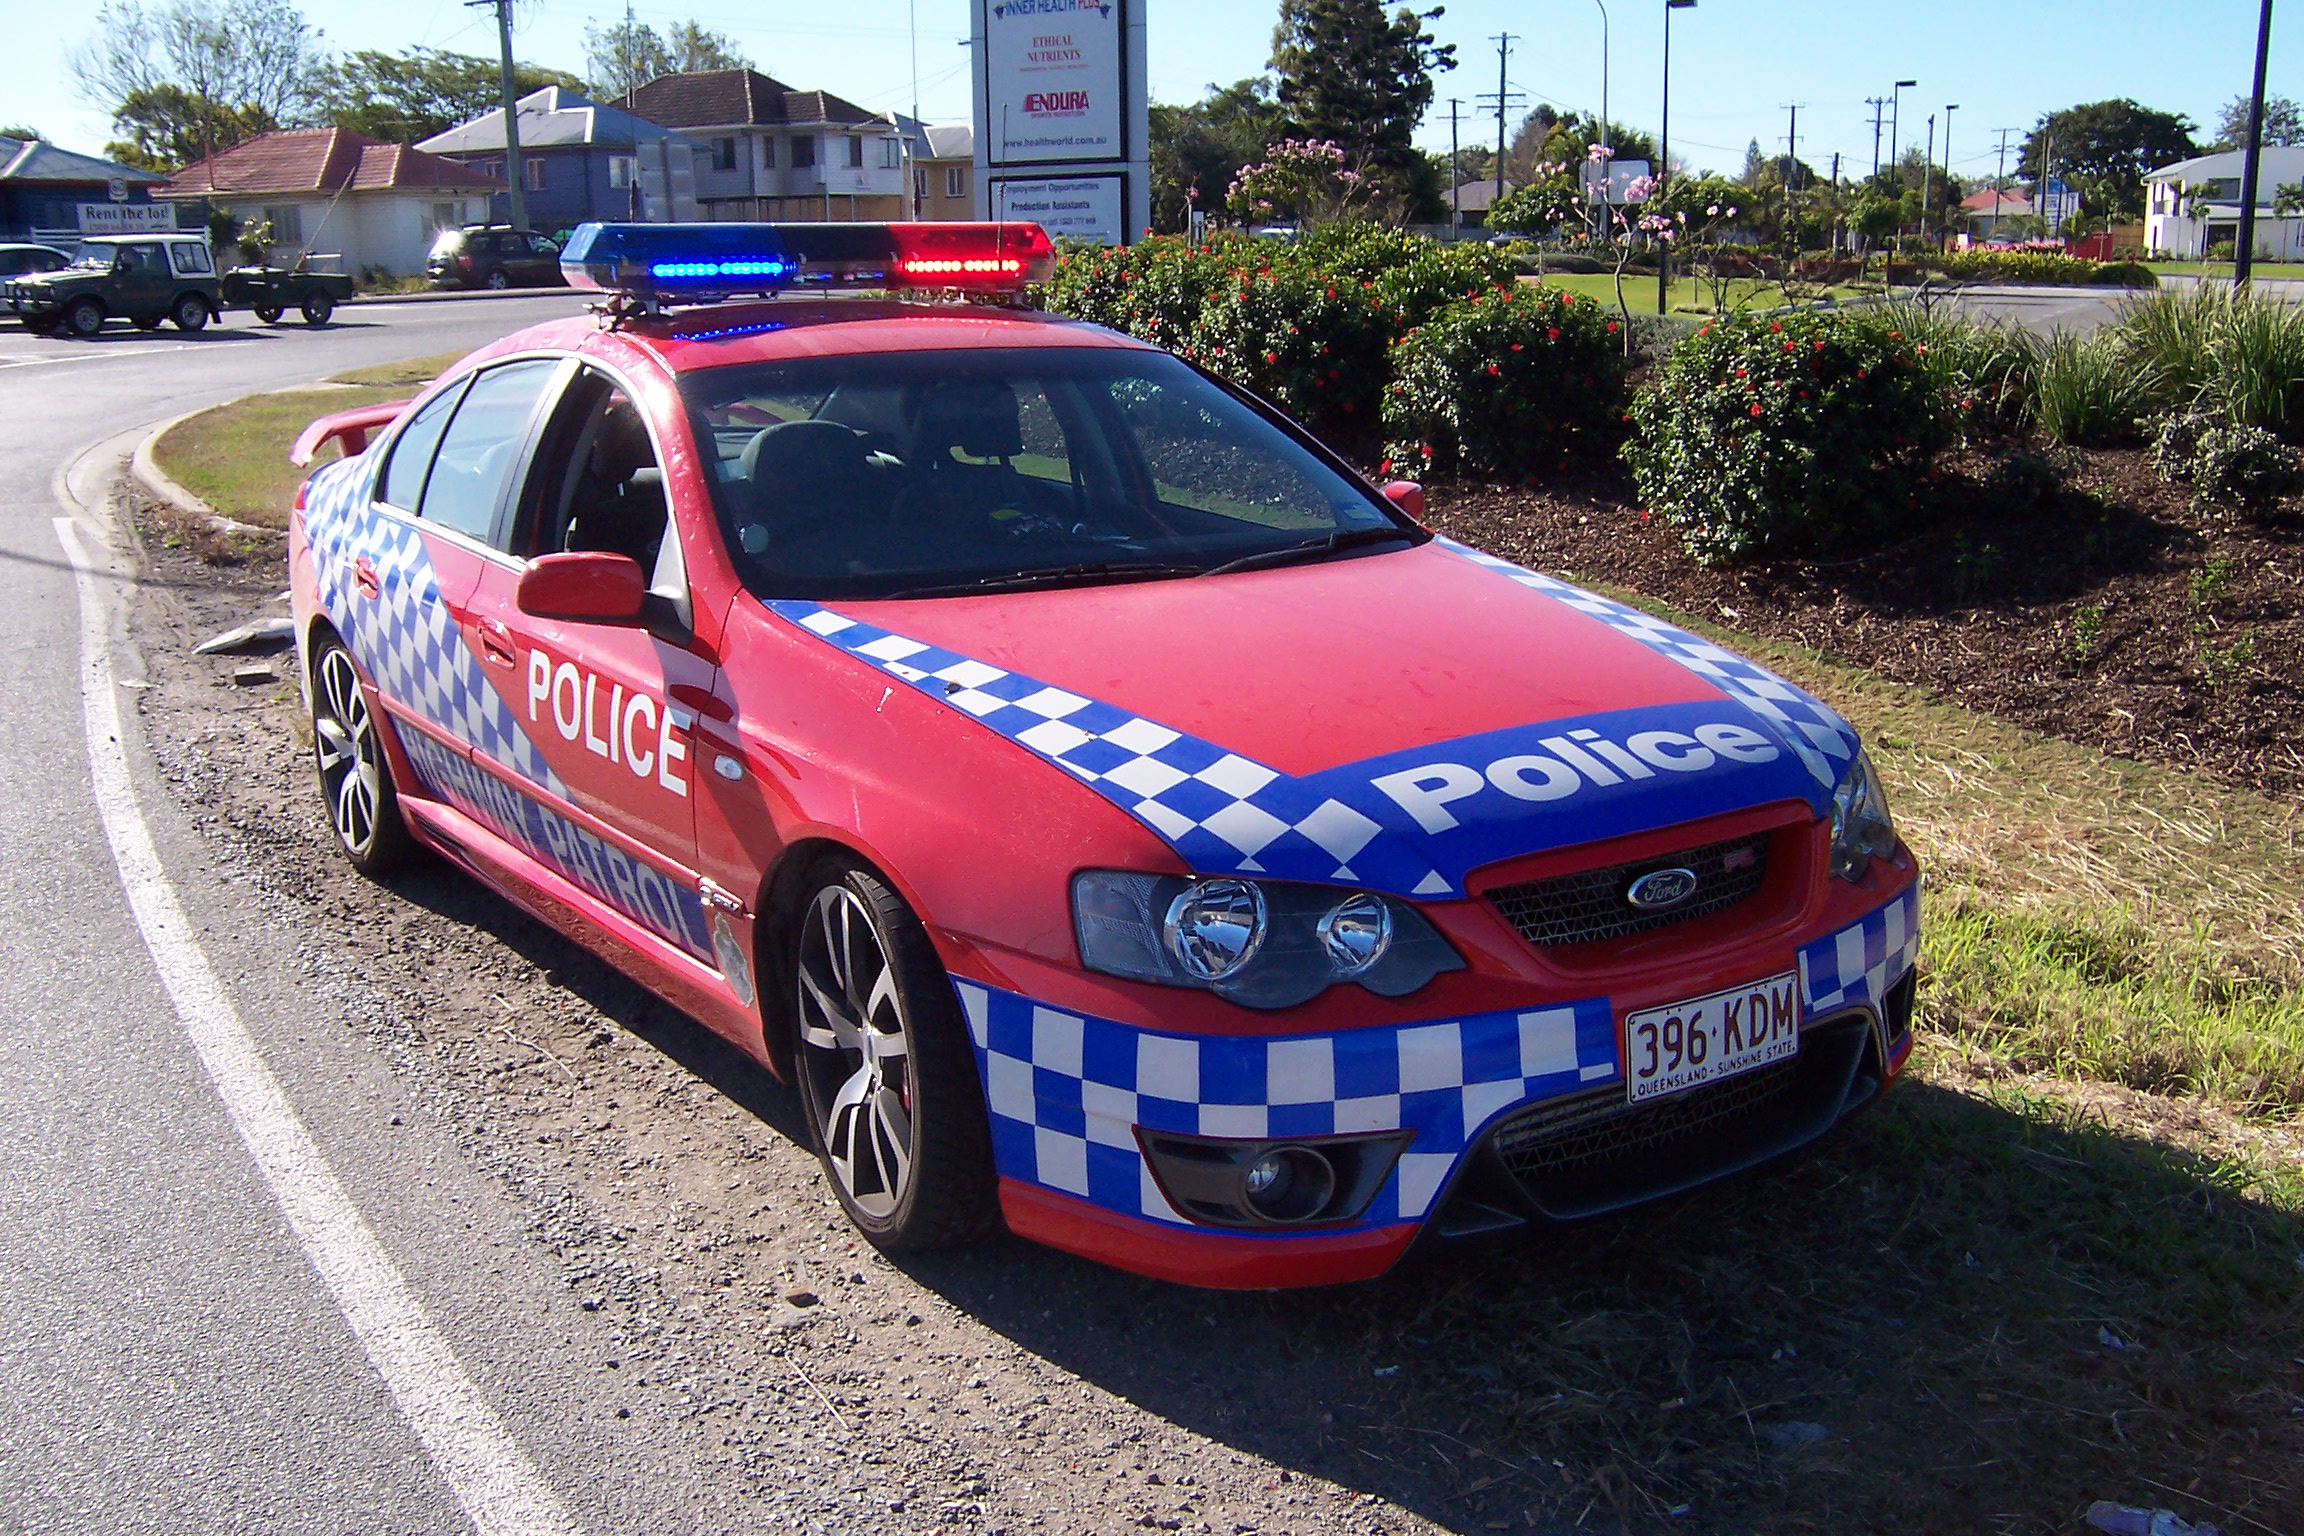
(656, 264)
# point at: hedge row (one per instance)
(2039, 268)
(1373, 336)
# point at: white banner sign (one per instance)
(1053, 77)
(1085, 208)
(126, 218)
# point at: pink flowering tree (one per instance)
(1309, 180)
(1551, 198)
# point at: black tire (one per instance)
(882, 1057)
(355, 776)
(190, 312)
(499, 279)
(317, 308)
(84, 318)
(269, 314)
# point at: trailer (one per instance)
(272, 291)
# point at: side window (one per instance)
(477, 451)
(597, 484)
(412, 452)
(191, 260)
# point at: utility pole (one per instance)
(1505, 99)
(2244, 254)
(1455, 179)
(1949, 109)
(1791, 154)
(512, 168)
(1927, 175)
(1835, 202)
(2000, 181)
(1879, 106)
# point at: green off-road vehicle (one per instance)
(140, 278)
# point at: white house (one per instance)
(2195, 204)
(376, 206)
(772, 152)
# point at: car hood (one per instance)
(1396, 720)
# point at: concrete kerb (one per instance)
(155, 482)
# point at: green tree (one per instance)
(2283, 123)
(627, 55)
(21, 132)
(1197, 150)
(1352, 77)
(192, 77)
(2105, 148)
(1547, 134)
(165, 127)
(404, 97)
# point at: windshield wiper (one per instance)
(1055, 575)
(1342, 539)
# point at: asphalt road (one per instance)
(170, 1358)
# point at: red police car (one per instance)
(1117, 817)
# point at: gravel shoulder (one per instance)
(1902, 1333)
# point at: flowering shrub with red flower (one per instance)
(1507, 384)
(1794, 434)
(1309, 343)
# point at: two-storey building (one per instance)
(770, 152)
(579, 160)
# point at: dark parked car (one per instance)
(142, 278)
(493, 256)
(17, 260)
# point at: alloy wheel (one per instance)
(856, 1047)
(344, 739)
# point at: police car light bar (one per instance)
(656, 264)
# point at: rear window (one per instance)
(930, 474)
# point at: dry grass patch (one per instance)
(2088, 916)
(235, 456)
(414, 372)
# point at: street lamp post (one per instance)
(1664, 158)
(1603, 74)
(1896, 116)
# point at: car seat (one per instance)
(981, 419)
(809, 487)
(619, 504)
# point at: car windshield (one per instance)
(97, 256)
(930, 474)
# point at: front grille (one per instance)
(1589, 905)
(1563, 1136)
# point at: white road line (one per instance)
(45, 360)
(498, 1486)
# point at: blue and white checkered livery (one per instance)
(1821, 739)
(1862, 961)
(1221, 811)
(1065, 1090)
(404, 638)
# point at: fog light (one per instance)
(1289, 1184)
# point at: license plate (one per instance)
(1719, 1035)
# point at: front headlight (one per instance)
(1861, 830)
(1262, 944)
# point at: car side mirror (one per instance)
(586, 586)
(1408, 496)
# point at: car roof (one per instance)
(725, 335)
(150, 234)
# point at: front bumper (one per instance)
(1070, 1096)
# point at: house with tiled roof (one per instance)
(579, 160)
(376, 207)
(47, 193)
(772, 152)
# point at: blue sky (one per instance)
(1735, 62)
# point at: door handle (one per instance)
(364, 577)
(496, 643)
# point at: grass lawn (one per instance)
(2224, 268)
(235, 456)
(1688, 295)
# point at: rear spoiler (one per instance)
(349, 428)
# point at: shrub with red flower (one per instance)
(1782, 437)
(1504, 387)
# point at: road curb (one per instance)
(457, 295)
(155, 482)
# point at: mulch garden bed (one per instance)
(2107, 611)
